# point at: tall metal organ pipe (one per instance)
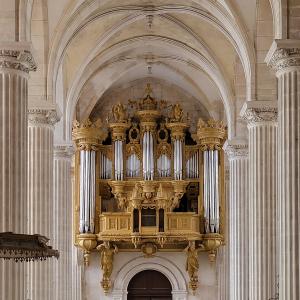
(178, 159)
(148, 156)
(87, 191)
(211, 191)
(119, 164)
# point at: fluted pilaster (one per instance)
(262, 124)
(62, 223)
(15, 63)
(284, 58)
(237, 152)
(40, 195)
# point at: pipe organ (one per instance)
(145, 183)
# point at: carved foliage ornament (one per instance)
(17, 59)
(237, 151)
(37, 116)
(261, 114)
(284, 58)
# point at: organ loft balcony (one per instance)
(145, 182)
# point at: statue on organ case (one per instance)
(106, 260)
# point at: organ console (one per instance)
(143, 180)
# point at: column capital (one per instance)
(43, 114)
(17, 56)
(259, 112)
(65, 151)
(283, 55)
(236, 149)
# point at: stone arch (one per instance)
(162, 265)
(200, 61)
(279, 11)
(230, 28)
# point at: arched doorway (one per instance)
(149, 285)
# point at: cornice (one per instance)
(284, 54)
(259, 112)
(17, 56)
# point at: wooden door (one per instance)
(149, 285)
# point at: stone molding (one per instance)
(63, 151)
(236, 150)
(12, 56)
(259, 112)
(42, 116)
(160, 264)
(284, 54)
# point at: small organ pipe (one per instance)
(217, 212)
(87, 187)
(92, 193)
(82, 191)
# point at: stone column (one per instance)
(237, 152)
(15, 64)
(284, 57)
(262, 124)
(62, 222)
(40, 194)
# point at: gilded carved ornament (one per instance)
(192, 264)
(106, 260)
(88, 135)
(211, 135)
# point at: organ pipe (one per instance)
(148, 156)
(211, 136)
